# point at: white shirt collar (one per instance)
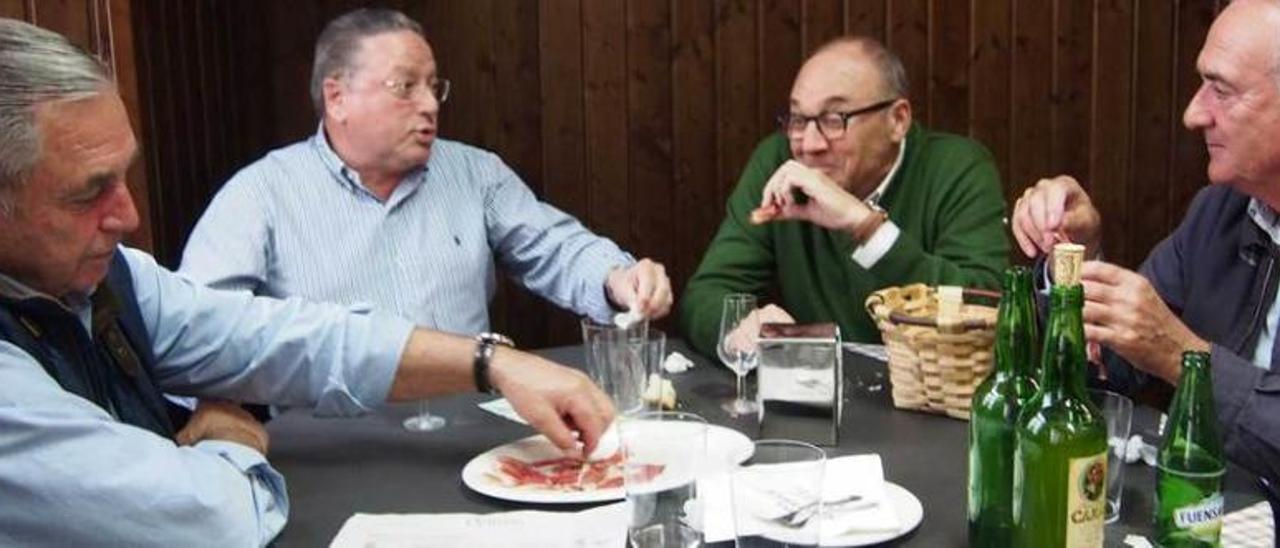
(1266, 218)
(874, 197)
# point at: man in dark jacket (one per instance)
(1211, 285)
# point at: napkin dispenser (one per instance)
(800, 382)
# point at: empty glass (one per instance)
(738, 347)
(615, 361)
(664, 454)
(1117, 410)
(777, 495)
(424, 421)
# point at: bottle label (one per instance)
(1203, 517)
(1086, 500)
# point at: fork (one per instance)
(800, 516)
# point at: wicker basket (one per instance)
(935, 360)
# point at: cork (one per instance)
(1067, 258)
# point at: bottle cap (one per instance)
(1067, 258)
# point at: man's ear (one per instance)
(334, 94)
(900, 119)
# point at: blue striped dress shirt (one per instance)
(299, 222)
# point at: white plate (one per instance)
(724, 444)
(910, 514)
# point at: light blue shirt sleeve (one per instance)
(72, 475)
(547, 250)
(233, 345)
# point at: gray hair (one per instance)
(892, 74)
(36, 66)
(340, 41)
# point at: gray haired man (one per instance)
(375, 209)
(91, 332)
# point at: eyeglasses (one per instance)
(409, 89)
(831, 125)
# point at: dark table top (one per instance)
(337, 467)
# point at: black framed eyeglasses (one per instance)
(410, 89)
(831, 124)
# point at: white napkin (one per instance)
(676, 362)
(603, 527)
(502, 408)
(861, 475)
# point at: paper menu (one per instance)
(602, 527)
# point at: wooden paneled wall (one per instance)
(637, 115)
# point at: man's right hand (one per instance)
(1053, 208)
(226, 421)
(560, 402)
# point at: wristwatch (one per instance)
(484, 353)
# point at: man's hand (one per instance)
(1053, 207)
(560, 402)
(747, 334)
(1123, 312)
(643, 288)
(221, 420)
(825, 203)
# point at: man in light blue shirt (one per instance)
(375, 210)
(91, 332)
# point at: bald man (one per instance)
(848, 197)
(1211, 285)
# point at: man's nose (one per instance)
(811, 138)
(122, 217)
(1197, 116)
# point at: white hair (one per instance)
(36, 66)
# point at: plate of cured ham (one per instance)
(534, 470)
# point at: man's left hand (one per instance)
(1123, 312)
(643, 288)
(226, 421)
(826, 204)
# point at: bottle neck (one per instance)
(1016, 331)
(1064, 361)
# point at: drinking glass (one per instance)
(616, 362)
(739, 347)
(777, 495)
(664, 454)
(1117, 411)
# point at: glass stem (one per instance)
(741, 381)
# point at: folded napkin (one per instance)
(502, 408)
(857, 475)
(603, 527)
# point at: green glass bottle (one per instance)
(993, 414)
(1060, 460)
(1191, 463)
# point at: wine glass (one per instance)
(738, 347)
(424, 421)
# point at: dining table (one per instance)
(336, 467)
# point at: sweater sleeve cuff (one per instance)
(879, 244)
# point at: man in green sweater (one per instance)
(849, 197)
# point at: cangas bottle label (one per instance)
(1086, 500)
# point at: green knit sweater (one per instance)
(945, 198)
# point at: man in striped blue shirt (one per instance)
(374, 210)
